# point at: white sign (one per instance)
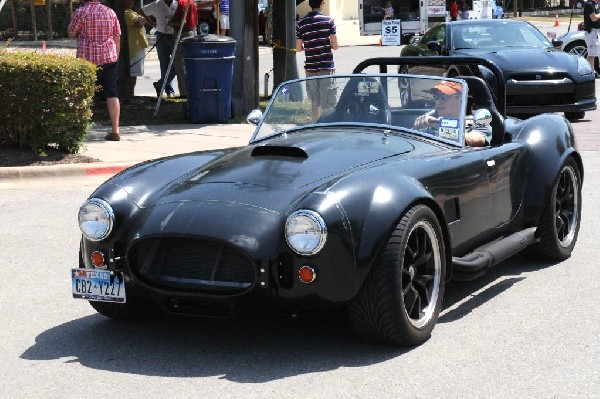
(391, 32)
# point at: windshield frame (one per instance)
(257, 137)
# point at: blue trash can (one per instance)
(208, 75)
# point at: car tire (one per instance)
(133, 309)
(560, 220)
(404, 87)
(574, 116)
(577, 47)
(401, 298)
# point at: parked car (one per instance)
(573, 42)
(539, 77)
(207, 19)
(356, 209)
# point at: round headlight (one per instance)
(96, 219)
(305, 232)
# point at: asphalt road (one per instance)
(523, 330)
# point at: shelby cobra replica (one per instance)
(346, 205)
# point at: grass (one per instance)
(140, 111)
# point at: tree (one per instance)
(284, 37)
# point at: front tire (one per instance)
(574, 116)
(400, 301)
(559, 224)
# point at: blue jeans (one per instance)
(164, 48)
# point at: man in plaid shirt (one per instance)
(98, 34)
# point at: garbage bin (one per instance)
(208, 75)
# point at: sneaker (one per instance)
(113, 137)
(597, 75)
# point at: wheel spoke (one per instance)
(411, 301)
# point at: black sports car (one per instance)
(349, 204)
(539, 77)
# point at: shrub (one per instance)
(46, 100)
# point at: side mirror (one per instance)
(557, 43)
(254, 116)
(434, 46)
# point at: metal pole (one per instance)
(164, 83)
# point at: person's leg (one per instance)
(164, 48)
(114, 112)
(109, 79)
(180, 65)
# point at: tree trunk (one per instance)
(243, 19)
(284, 37)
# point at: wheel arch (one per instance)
(372, 243)
(551, 141)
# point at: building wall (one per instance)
(338, 9)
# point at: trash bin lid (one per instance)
(210, 38)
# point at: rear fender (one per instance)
(551, 141)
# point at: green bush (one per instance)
(46, 100)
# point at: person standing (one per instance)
(189, 30)
(268, 13)
(316, 35)
(464, 9)
(162, 11)
(454, 10)
(137, 43)
(224, 17)
(388, 10)
(98, 35)
(591, 22)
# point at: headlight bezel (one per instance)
(299, 244)
(107, 213)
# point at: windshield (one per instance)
(497, 35)
(387, 100)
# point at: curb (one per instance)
(70, 170)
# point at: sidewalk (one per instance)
(138, 144)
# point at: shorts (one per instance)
(592, 41)
(321, 92)
(107, 76)
(224, 21)
(136, 63)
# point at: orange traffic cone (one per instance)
(556, 21)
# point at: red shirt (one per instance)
(191, 21)
(454, 10)
(94, 25)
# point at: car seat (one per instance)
(362, 100)
(481, 95)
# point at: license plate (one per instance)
(98, 285)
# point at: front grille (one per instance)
(540, 99)
(190, 263)
(538, 76)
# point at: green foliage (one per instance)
(46, 100)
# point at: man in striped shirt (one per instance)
(315, 34)
(98, 34)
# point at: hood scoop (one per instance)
(279, 151)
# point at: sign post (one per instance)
(391, 32)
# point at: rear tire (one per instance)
(559, 223)
(401, 299)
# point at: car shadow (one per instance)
(462, 297)
(248, 350)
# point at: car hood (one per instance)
(288, 166)
(512, 60)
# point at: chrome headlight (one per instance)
(96, 219)
(583, 66)
(305, 232)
